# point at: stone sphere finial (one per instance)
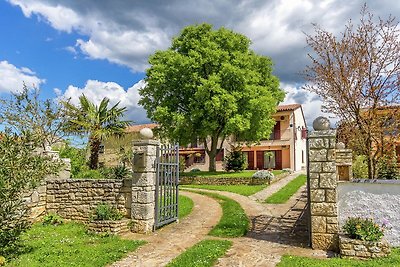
(146, 133)
(321, 123)
(340, 145)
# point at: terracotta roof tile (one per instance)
(287, 107)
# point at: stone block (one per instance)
(332, 228)
(329, 166)
(314, 183)
(142, 211)
(315, 167)
(332, 220)
(316, 143)
(348, 252)
(328, 180)
(325, 241)
(323, 209)
(317, 195)
(330, 195)
(142, 226)
(144, 179)
(318, 155)
(314, 175)
(318, 224)
(144, 197)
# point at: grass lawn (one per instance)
(393, 260)
(245, 190)
(246, 173)
(234, 222)
(185, 206)
(69, 245)
(287, 191)
(203, 254)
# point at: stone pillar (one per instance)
(323, 184)
(143, 185)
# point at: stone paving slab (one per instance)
(274, 187)
(170, 241)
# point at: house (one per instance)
(285, 148)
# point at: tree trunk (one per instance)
(212, 153)
(94, 153)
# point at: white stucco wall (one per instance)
(375, 199)
(300, 144)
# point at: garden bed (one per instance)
(360, 249)
(114, 227)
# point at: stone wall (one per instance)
(359, 249)
(378, 199)
(323, 195)
(186, 180)
(36, 202)
(76, 199)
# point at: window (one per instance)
(302, 156)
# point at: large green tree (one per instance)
(98, 122)
(208, 85)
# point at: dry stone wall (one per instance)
(186, 180)
(76, 199)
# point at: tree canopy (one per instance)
(25, 111)
(357, 74)
(208, 85)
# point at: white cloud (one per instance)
(95, 91)
(310, 102)
(12, 78)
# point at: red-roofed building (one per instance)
(284, 148)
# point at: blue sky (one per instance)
(36, 45)
(101, 48)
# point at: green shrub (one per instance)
(235, 161)
(118, 172)
(387, 168)
(105, 212)
(52, 219)
(78, 160)
(21, 170)
(264, 174)
(363, 229)
(360, 167)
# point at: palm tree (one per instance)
(98, 122)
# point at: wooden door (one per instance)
(250, 160)
(278, 160)
(260, 160)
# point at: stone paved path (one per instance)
(263, 194)
(171, 240)
(275, 230)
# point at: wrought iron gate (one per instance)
(167, 181)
